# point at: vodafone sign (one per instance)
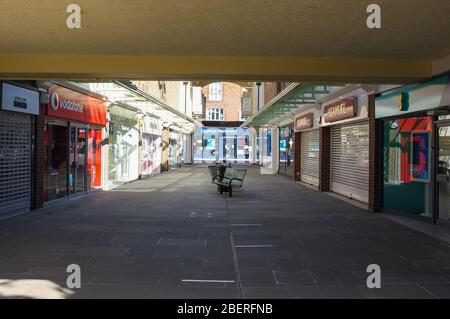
(72, 105)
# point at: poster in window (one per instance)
(420, 156)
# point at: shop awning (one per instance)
(289, 102)
(124, 93)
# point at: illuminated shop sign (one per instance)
(72, 105)
(304, 122)
(342, 110)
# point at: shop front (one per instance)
(286, 151)
(307, 136)
(265, 147)
(175, 149)
(19, 104)
(150, 147)
(416, 149)
(123, 146)
(72, 143)
(347, 117)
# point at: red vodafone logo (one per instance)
(54, 101)
(69, 104)
(57, 103)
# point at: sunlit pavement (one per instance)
(175, 236)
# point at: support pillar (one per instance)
(375, 164)
(165, 149)
(324, 158)
(297, 156)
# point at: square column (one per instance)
(324, 158)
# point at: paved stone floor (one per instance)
(175, 236)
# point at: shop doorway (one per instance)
(443, 171)
(55, 175)
(407, 166)
(78, 160)
(286, 144)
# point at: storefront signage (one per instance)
(342, 110)
(18, 99)
(72, 105)
(304, 122)
(414, 98)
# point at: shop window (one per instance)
(95, 159)
(407, 165)
(55, 157)
(269, 143)
(150, 154)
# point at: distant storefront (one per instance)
(150, 147)
(72, 142)
(307, 136)
(332, 144)
(123, 146)
(221, 145)
(19, 105)
(286, 153)
(175, 149)
(349, 145)
(416, 148)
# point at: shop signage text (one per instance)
(304, 122)
(18, 99)
(342, 110)
(72, 105)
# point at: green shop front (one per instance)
(415, 125)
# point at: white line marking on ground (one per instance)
(208, 281)
(252, 246)
(245, 225)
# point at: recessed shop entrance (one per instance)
(73, 159)
(443, 170)
(77, 153)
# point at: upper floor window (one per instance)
(215, 114)
(215, 91)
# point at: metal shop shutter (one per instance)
(310, 157)
(350, 161)
(15, 163)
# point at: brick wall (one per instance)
(324, 158)
(231, 101)
(297, 155)
(270, 91)
(39, 163)
(375, 169)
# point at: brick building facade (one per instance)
(230, 101)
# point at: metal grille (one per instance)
(310, 157)
(15, 163)
(350, 161)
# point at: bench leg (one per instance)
(221, 190)
(231, 191)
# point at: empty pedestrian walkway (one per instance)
(175, 236)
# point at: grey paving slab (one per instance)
(280, 238)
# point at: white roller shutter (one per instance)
(15, 163)
(310, 157)
(350, 161)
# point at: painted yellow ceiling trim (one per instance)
(64, 66)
